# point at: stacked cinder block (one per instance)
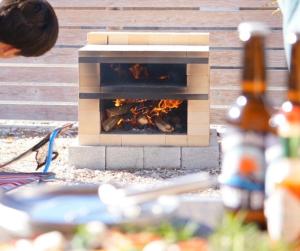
(108, 157)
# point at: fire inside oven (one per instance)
(143, 74)
(142, 116)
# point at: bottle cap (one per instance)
(293, 36)
(248, 29)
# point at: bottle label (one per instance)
(289, 134)
(243, 170)
(291, 146)
(283, 160)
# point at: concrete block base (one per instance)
(146, 157)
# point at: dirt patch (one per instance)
(15, 140)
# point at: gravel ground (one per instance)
(14, 139)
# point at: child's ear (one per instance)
(8, 51)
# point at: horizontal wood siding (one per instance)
(158, 4)
(151, 19)
(45, 88)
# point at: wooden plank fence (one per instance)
(45, 88)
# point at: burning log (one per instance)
(117, 111)
(139, 71)
(142, 120)
(143, 114)
(110, 123)
(163, 126)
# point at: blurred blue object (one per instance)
(291, 21)
(50, 149)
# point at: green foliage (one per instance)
(174, 234)
(81, 239)
(233, 235)
(88, 237)
(166, 231)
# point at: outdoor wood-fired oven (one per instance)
(144, 89)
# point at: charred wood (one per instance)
(110, 123)
(118, 110)
(163, 125)
(142, 120)
(139, 71)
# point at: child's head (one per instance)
(29, 26)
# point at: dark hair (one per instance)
(28, 25)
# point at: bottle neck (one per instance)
(254, 77)
(294, 76)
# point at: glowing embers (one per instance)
(144, 116)
(147, 74)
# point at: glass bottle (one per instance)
(283, 174)
(244, 165)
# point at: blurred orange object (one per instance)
(193, 244)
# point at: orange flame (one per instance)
(140, 107)
(119, 102)
(120, 122)
(170, 103)
(164, 77)
(165, 106)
